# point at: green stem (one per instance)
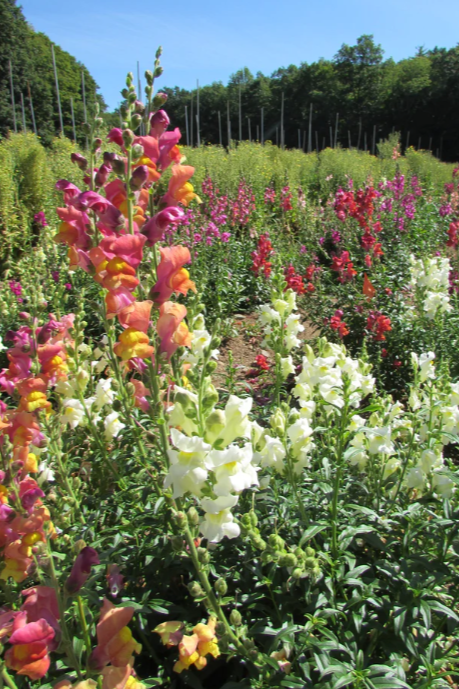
(9, 681)
(129, 193)
(84, 627)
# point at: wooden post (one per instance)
(240, 114)
(191, 121)
(83, 94)
(304, 140)
(277, 136)
(250, 130)
(34, 125)
(258, 133)
(299, 139)
(24, 128)
(186, 126)
(73, 120)
(336, 129)
(365, 142)
(282, 123)
(360, 134)
(228, 123)
(373, 146)
(441, 148)
(198, 121)
(349, 139)
(13, 104)
(331, 136)
(220, 140)
(407, 140)
(310, 130)
(57, 89)
(262, 126)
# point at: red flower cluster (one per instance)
(262, 362)
(286, 199)
(339, 325)
(358, 206)
(452, 234)
(344, 266)
(378, 325)
(261, 254)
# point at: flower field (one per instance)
(229, 413)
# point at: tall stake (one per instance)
(262, 126)
(304, 140)
(85, 115)
(360, 134)
(282, 123)
(57, 90)
(186, 126)
(228, 124)
(198, 121)
(430, 143)
(258, 133)
(24, 128)
(336, 129)
(191, 121)
(299, 139)
(407, 140)
(310, 130)
(220, 139)
(73, 119)
(331, 136)
(240, 114)
(250, 131)
(32, 111)
(373, 146)
(365, 142)
(13, 104)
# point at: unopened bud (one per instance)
(96, 144)
(276, 541)
(79, 160)
(136, 121)
(149, 77)
(210, 367)
(288, 560)
(139, 177)
(137, 152)
(221, 586)
(159, 52)
(129, 79)
(128, 137)
(180, 520)
(203, 556)
(130, 389)
(277, 422)
(193, 516)
(210, 398)
(297, 573)
(236, 618)
(177, 543)
(139, 107)
(195, 589)
(118, 166)
(158, 71)
(78, 546)
(117, 406)
(159, 100)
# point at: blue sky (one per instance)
(210, 39)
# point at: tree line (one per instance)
(356, 97)
(26, 65)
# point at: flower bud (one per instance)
(236, 618)
(79, 160)
(297, 573)
(215, 423)
(129, 79)
(203, 556)
(276, 541)
(210, 398)
(139, 177)
(180, 520)
(130, 389)
(159, 52)
(96, 144)
(310, 552)
(125, 93)
(288, 560)
(310, 562)
(136, 121)
(159, 100)
(78, 546)
(158, 71)
(221, 586)
(139, 107)
(137, 152)
(210, 367)
(278, 421)
(128, 137)
(193, 516)
(195, 589)
(117, 406)
(258, 542)
(86, 128)
(149, 77)
(177, 543)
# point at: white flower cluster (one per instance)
(201, 339)
(77, 410)
(324, 380)
(431, 277)
(394, 436)
(207, 463)
(281, 328)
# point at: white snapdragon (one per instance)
(431, 276)
(73, 413)
(218, 521)
(189, 464)
(233, 469)
(104, 394)
(112, 425)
